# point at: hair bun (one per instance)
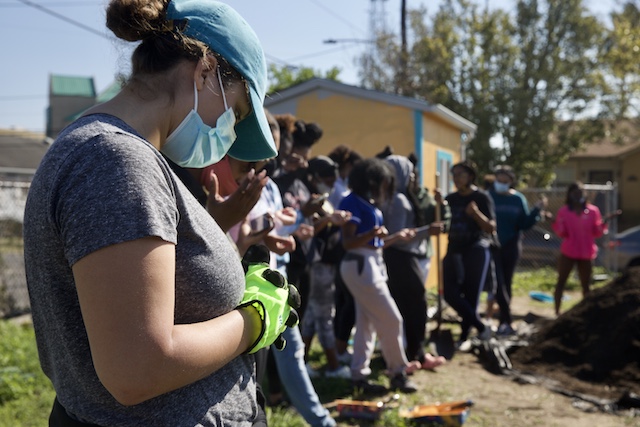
(134, 20)
(306, 134)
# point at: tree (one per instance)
(524, 76)
(620, 54)
(283, 77)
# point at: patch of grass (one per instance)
(26, 395)
(544, 280)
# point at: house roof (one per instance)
(624, 141)
(71, 86)
(112, 90)
(21, 149)
(315, 84)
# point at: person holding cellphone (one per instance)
(140, 304)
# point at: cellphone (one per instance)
(320, 199)
(261, 223)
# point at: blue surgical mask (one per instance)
(501, 187)
(193, 144)
(323, 188)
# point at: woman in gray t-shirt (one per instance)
(134, 287)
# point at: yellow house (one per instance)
(368, 121)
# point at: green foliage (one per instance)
(538, 76)
(620, 54)
(26, 395)
(283, 77)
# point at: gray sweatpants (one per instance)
(365, 274)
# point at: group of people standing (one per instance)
(152, 302)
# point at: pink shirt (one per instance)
(579, 231)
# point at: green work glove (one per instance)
(273, 298)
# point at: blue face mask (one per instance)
(193, 144)
(501, 187)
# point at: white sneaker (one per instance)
(312, 372)
(341, 372)
(463, 346)
(345, 358)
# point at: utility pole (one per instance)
(402, 83)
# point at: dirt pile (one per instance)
(594, 348)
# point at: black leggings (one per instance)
(464, 274)
(406, 284)
(505, 259)
(345, 317)
(60, 418)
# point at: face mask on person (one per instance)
(194, 144)
(323, 188)
(578, 198)
(501, 187)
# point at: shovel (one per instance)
(441, 338)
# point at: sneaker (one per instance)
(485, 335)
(505, 330)
(345, 358)
(342, 372)
(366, 387)
(312, 372)
(403, 383)
(463, 346)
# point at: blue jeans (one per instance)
(295, 379)
(296, 382)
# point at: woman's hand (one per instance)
(313, 206)
(339, 218)
(247, 237)
(237, 206)
(304, 232)
(280, 245)
(435, 228)
(286, 216)
(612, 215)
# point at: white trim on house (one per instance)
(333, 86)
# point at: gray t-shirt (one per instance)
(101, 184)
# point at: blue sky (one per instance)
(35, 44)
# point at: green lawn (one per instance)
(26, 394)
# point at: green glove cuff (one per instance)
(271, 302)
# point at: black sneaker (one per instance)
(366, 387)
(403, 383)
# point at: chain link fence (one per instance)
(14, 297)
(541, 246)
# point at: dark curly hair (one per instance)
(162, 43)
(306, 134)
(469, 166)
(368, 175)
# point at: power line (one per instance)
(64, 18)
(322, 52)
(58, 4)
(336, 15)
(18, 97)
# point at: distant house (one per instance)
(68, 96)
(369, 120)
(608, 160)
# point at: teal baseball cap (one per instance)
(222, 29)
